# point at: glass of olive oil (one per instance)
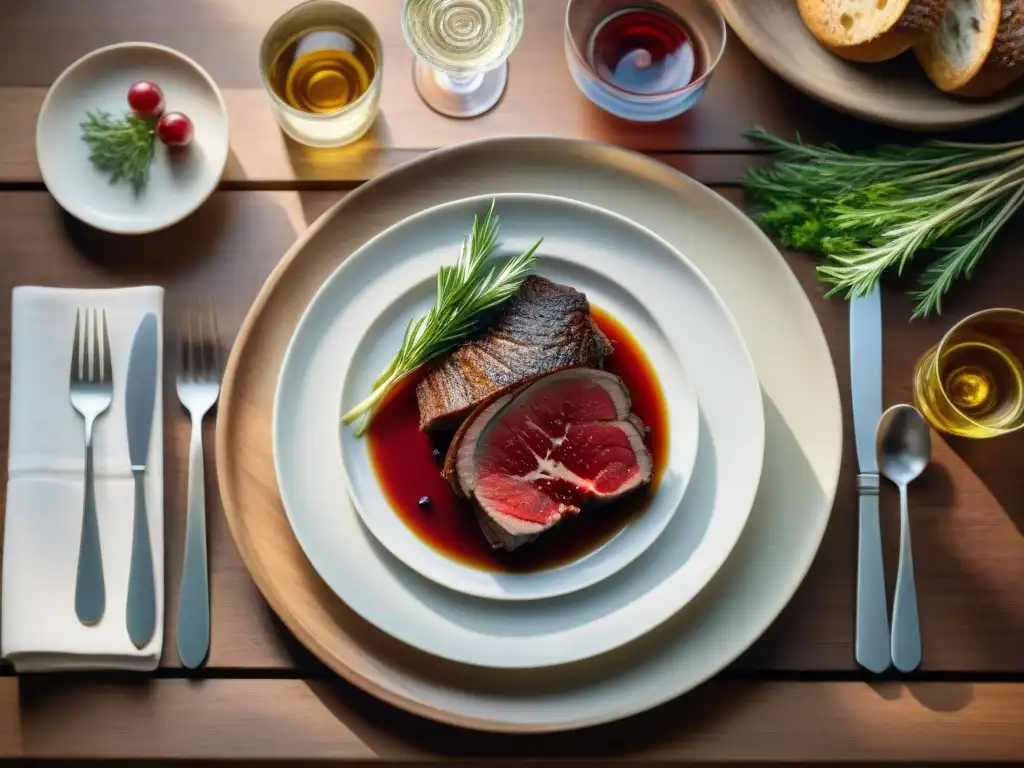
(321, 63)
(971, 384)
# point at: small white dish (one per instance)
(569, 231)
(179, 182)
(612, 260)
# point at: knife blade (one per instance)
(140, 400)
(871, 646)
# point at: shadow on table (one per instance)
(993, 461)
(157, 254)
(349, 165)
(938, 697)
(390, 732)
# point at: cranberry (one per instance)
(146, 99)
(174, 129)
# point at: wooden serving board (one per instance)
(570, 696)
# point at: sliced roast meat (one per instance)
(534, 457)
(544, 327)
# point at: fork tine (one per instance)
(183, 344)
(201, 349)
(189, 317)
(108, 372)
(75, 367)
(214, 340)
(86, 347)
(94, 370)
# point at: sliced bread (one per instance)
(978, 48)
(871, 30)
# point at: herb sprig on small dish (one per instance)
(465, 291)
(123, 147)
(873, 211)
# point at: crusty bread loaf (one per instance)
(978, 48)
(871, 30)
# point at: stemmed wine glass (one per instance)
(461, 49)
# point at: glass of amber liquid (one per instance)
(971, 384)
(321, 63)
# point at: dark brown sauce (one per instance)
(408, 469)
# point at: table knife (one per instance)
(140, 399)
(871, 647)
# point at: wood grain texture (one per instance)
(78, 718)
(262, 157)
(39, 39)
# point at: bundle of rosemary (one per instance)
(872, 211)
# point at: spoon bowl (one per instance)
(904, 444)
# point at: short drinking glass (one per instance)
(461, 48)
(643, 60)
(321, 64)
(971, 384)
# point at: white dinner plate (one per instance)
(179, 180)
(582, 248)
(636, 277)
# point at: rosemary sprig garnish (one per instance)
(122, 147)
(872, 211)
(465, 290)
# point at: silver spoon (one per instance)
(904, 450)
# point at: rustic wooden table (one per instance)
(797, 694)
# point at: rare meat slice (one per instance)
(544, 327)
(531, 458)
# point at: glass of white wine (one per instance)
(461, 48)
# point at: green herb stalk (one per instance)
(465, 290)
(873, 211)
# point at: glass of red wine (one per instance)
(643, 60)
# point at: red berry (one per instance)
(146, 99)
(174, 129)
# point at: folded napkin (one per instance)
(39, 630)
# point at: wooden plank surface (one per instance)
(793, 696)
(290, 719)
(262, 157)
(39, 39)
(967, 521)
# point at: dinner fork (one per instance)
(92, 390)
(198, 385)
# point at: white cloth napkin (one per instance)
(39, 630)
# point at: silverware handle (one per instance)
(90, 594)
(194, 605)
(141, 612)
(906, 629)
(872, 643)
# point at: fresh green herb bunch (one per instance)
(465, 290)
(122, 147)
(871, 211)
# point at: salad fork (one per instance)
(92, 390)
(198, 385)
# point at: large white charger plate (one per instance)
(803, 445)
(591, 250)
(622, 268)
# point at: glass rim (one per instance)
(419, 57)
(377, 52)
(661, 95)
(937, 353)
